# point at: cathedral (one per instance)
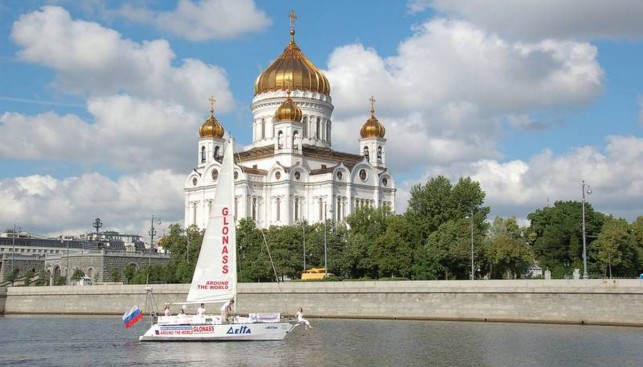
(290, 173)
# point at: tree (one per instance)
(43, 278)
(449, 251)
(506, 250)
(115, 276)
(366, 226)
(438, 202)
(558, 232)
(252, 260)
(390, 255)
(615, 249)
(77, 275)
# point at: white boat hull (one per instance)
(218, 332)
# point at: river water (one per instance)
(103, 341)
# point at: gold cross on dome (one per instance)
(288, 82)
(292, 17)
(372, 99)
(212, 100)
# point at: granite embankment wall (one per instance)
(601, 302)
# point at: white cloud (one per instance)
(126, 133)
(91, 59)
(47, 205)
(203, 20)
(517, 188)
(543, 19)
(450, 87)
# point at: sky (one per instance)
(101, 101)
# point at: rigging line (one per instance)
(275, 271)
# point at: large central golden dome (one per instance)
(292, 70)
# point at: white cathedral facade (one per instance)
(290, 174)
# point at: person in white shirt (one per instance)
(167, 310)
(301, 320)
(201, 310)
(226, 311)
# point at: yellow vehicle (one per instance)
(315, 274)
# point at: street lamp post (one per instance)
(585, 189)
(97, 224)
(325, 250)
(13, 251)
(152, 233)
(472, 267)
(303, 236)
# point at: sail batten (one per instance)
(215, 275)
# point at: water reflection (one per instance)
(42, 341)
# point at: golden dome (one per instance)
(295, 66)
(211, 128)
(289, 111)
(372, 128)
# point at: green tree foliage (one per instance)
(252, 258)
(115, 276)
(390, 255)
(366, 226)
(77, 275)
(447, 252)
(438, 201)
(506, 249)
(43, 278)
(615, 251)
(440, 229)
(558, 231)
(129, 272)
(285, 245)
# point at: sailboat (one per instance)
(215, 281)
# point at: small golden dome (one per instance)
(289, 111)
(295, 66)
(211, 128)
(372, 128)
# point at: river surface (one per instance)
(103, 341)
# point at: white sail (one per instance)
(215, 275)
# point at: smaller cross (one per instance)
(292, 17)
(372, 104)
(211, 100)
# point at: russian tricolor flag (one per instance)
(132, 317)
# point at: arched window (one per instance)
(305, 135)
(379, 154)
(328, 131)
(366, 153)
(203, 154)
(295, 137)
(280, 139)
(216, 152)
(263, 128)
(317, 128)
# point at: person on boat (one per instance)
(167, 310)
(182, 312)
(301, 320)
(226, 311)
(201, 310)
